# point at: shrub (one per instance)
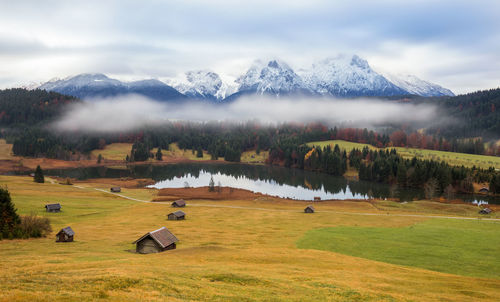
(34, 226)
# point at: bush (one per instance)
(34, 226)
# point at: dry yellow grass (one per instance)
(224, 254)
(116, 151)
(5, 150)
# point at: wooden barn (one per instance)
(53, 207)
(317, 198)
(116, 189)
(156, 241)
(177, 215)
(309, 209)
(485, 211)
(484, 190)
(65, 235)
(179, 203)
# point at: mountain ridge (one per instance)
(343, 76)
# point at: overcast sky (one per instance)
(453, 43)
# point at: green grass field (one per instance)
(456, 159)
(116, 151)
(239, 250)
(468, 248)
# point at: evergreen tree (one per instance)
(8, 216)
(39, 175)
(211, 185)
(159, 155)
(99, 159)
(495, 184)
(401, 175)
(199, 152)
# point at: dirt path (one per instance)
(277, 210)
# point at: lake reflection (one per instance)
(275, 181)
(268, 187)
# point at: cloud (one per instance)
(163, 38)
(131, 112)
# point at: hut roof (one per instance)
(68, 230)
(180, 202)
(178, 213)
(486, 210)
(53, 206)
(484, 189)
(310, 207)
(162, 236)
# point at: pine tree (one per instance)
(159, 155)
(8, 216)
(39, 175)
(211, 185)
(199, 152)
(99, 159)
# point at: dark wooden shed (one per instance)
(65, 235)
(177, 215)
(53, 207)
(484, 190)
(309, 209)
(116, 189)
(485, 211)
(156, 241)
(317, 198)
(179, 203)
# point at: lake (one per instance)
(271, 180)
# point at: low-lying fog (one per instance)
(130, 112)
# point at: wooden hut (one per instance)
(179, 203)
(484, 190)
(53, 207)
(309, 209)
(485, 211)
(116, 189)
(177, 215)
(156, 241)
(317, 198)
(65, 235)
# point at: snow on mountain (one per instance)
(99, 85)
(348, 76)
(275, 77)
(414, 85)
(203, 84)
(340, 76)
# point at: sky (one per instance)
(452, 43)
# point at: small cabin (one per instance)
(309, 209)
(484, 190)
(116, 189)
(65, 235)
(317, 198)
(53, 207)
(156, 241)
(179, 203)
(485, 211)
(177, 215)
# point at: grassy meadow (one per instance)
(119, 151)
(246, 250)
(453, 158)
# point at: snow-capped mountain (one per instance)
(99, 85)
(203, 84)
(414, 85)
(340, 76)
(348, 76)
(275, 78)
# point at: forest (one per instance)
(25, 114)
